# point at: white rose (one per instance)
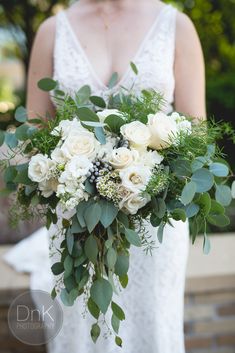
(123, 157)
(106, 112)
(78, 166)
(133, 203)
(58, 156)
(137, 133)
(135, 178)
(163, 128)
(48, 187)
(150, 158)
(80, 144)
(65, 127)
(40, 168)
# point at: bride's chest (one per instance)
(154, 60)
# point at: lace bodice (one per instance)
(154, 60)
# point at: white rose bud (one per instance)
(123, 157)
(163, 128)
(137, 133)
(40, 168)
(65, 127)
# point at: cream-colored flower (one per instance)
(66, 127)
(78, 166)
(137, 133)
(133, 203)
(150, 158)
(58, 156)
(40, 168)
(135, 177)
(163, 128)
(123, 157)
(80, 144)
(106, 112)
(48, 187)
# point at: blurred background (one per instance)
(210, 287)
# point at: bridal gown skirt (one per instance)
(152, 301)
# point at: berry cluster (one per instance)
(96, 169)
(122, 142)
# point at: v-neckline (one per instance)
(141, 47)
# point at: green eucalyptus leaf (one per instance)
(93, 309)
(160, 232)
(90, 188)
(118, 312)
(91, 249)
(206, 244)
(188, 193)
(219, 220)
(92, 216)
(101, 293)
(21, 114)
(2, 137)
(47, 84)
(70, 241)
(113, 80)
(108, 214)
(22, 177)
(86, 114)
(203, 179)
(95, 332)
(80, 260)
(132, 237)
(192, 210)
(122, 265)
(115, 323)
(118, 341)
(219, 169)
(111, 258)
(123, 280)
(83, 95)
(65, 298)
(21, 132)
(10, 174)
(198, 163)
(68, 264)
(216, 208)
(159, 207)
(204, 202)
(57, 268)
(179, 215)
(11, 140)
(181, 168)
(134, 68)
(98, 101)
(100, 135)
(223, 195)
(114, 122)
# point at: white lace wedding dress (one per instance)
(153, 300)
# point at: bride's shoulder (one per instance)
(186, 33)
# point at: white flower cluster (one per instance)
(67, 169)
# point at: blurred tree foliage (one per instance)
(26, 15)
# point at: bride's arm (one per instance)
(41, 65)
(189, 70)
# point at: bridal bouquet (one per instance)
(110, 168)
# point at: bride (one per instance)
(85, 44)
